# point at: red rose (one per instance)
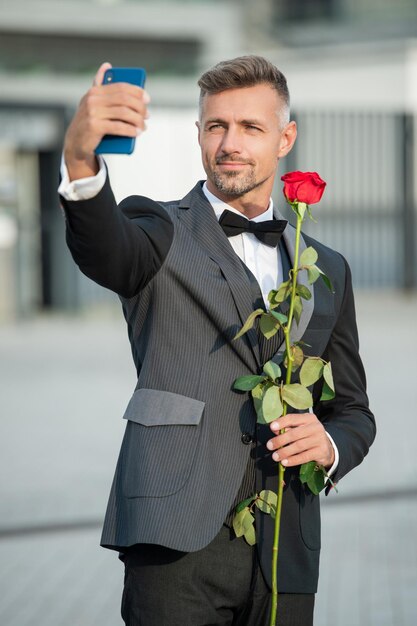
(305, 187)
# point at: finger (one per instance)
(121, 114)
(294, 434)
(300, 458)
(120, 128)
(98, 79)
(303, 452)
(291, 420)
(310, 442)
(296, 447)
(117, 94)
(96, 108)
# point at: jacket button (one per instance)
(246, 438)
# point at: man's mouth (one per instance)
(231, 165)
(221, 160)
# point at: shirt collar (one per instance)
(219, 206)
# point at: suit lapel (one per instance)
(197, 215)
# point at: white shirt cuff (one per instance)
(84, 188)
(336, 457)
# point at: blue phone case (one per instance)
(113, 144)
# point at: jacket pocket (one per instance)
(310, 526)
(160, 443)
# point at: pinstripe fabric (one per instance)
(267, 349)
(179, 469)
(248, 486)
(202, 293)
(181, 327)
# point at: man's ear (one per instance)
(288, 137)
(199, 130)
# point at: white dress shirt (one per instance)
(84, 188)
(263, 261)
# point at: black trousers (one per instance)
(221, 585)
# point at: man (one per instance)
(192, 450)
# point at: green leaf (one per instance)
(242, 521)
(309, 256)
(271, 296)
(328, 376)
(248, 519)
(250, 536)
(268, 326)
(303, 291)
(326, 393)
(271, 404)
(272, 370)
(245, 503)
(282, 292)
(279, 316)
(263, 506)
(246, 383)
(311, 371)
(298, 308)
(310, 215)
(313, 273)
(249, 323)
(306, 471)
(297, 357)
(297, 396)
(257, 394)
(238, 522)
(314, 476)
(326, 281)
(317, 482)
(270, 497)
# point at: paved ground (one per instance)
(64, 384)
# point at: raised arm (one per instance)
(122, 247)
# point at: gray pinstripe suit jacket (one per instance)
(182, 459)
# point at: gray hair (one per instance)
(246, 71)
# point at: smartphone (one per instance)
(114, 144)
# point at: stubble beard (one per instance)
(234, 184)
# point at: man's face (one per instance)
(241, 138)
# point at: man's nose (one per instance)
(231, 143)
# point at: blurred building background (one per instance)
(352, 72)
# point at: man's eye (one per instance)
(214, 126)
(252, 127)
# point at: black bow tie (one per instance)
(268, 232)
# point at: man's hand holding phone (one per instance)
(112, 109)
